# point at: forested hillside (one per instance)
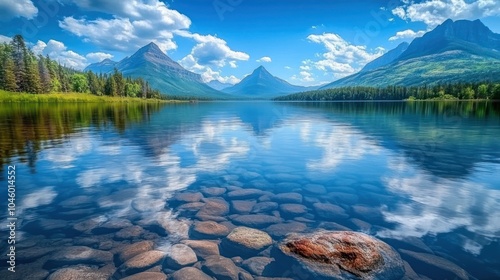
(22, 71)
(485, 90)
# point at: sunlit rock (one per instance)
(179, 256)
(343, 255)
(244, 241)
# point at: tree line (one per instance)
(23, 71)
(463, 91)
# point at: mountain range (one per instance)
(455, 51)
(263, 85)
(162, 73)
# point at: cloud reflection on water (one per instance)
(434, 205)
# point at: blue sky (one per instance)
(306, 42)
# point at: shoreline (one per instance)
(73, 97)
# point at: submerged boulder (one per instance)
(343, 255)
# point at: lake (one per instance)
(93, 178)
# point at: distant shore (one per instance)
(72, 97)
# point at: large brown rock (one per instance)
(141, 263)
(190, 273)
(343, 255)
(135, 249)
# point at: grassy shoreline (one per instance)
(73, 97)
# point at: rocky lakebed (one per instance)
(223, 231)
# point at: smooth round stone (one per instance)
(343, 255)
(293, 209)
(361, 225)
(329, 211)
(436, 267)
(203, 248)
(333, 226)
(190, 273)
(340, 197)
(256, 220)
(79, 255)
(179, 256)
(214, 207)
(263, 207)
(245, 194)
(257, 265)
(369, 213)
(221, 268)
(112, 226)
(129, 233)
(148, 205)
(191, 207)
(173, 226)
(147, 276)
(78, 273)
(135, 249)
(209, 230)
(287, 198)
(32, 254)
(242, 206)
(314, 189)
(213, 191)
(187, 197)
(89, 224)
(246, 241)
(283, 177)
(141, 263)
(288, 186)
(24, 271)
(281, 230)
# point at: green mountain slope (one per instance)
(461, 51)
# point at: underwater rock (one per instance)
(343, 255)
(135, 249)
(209, 230)
(314, 189)
(79, 255)
(287, 198)
(291, 210)
(190, 273)
(148, 205)
(187, 197)
(147, 275)
(203, 248)
(245, 194)
(141, 263)
(329, 211)
(214, 207)
(213, 191)
(242, 206)
(257, 265)
(437, 267)
(179, 256)
(263, 207)
(283, 229)
(77, 273)
(245, 241)
(221, 268)
(256, 220)
(129, 233)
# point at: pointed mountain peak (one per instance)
(260, 69)
(151, 47)
(108, 61)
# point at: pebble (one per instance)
(141, 263)
(257, 265)
(242, 206)
(221, 268)
(314, 189)
(245, 194)
(135, 249)
(77, 273)
(283, 229)
(329, 211)
(263, 207)
(129, 233)
(147, 276)
(289, 209)
(79, 255)
(436, 267)
(187, 197)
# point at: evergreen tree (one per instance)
(8, 77)
(18, 52)
(44, 73)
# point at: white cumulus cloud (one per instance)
(98, 56)
(57, 51)
(135, 24)
(19, 8)
(5, 39)
(407, 34)
(434, 12)
(341, 58)
(265, 59)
